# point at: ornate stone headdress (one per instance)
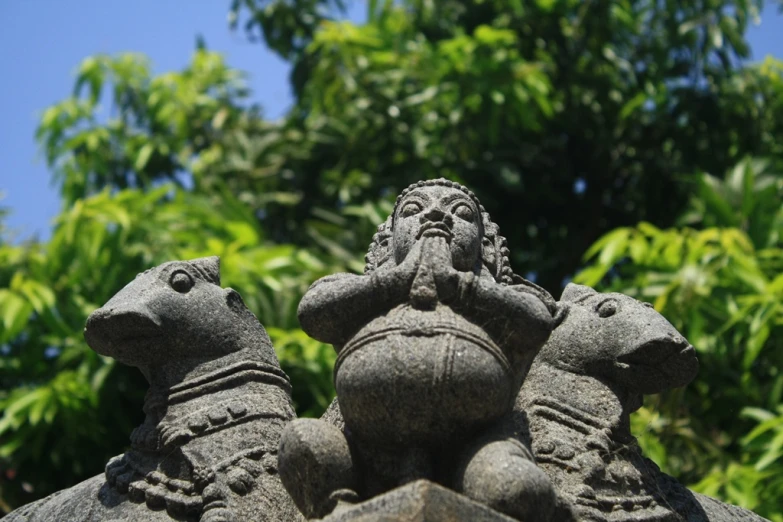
(494, 249)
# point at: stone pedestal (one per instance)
(420, 501)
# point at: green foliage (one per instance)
(287, 25)
(721, 285)
(147, 183)
(568, 119)
(62, 397)
(155, 128)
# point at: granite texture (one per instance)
(607, 351)
(430, 342)
(433, 343)
(419, 501)
(217, 403)
(464, 392)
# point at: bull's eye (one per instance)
(181, 282)
(607, 308)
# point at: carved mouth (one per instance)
(434, 228)
(659, 364)
(106, 331)
(657, 352)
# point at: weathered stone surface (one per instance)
(464, 393)
(433, 343)
(217, 403)
(432, 338)
(574, 407)
(419, 501)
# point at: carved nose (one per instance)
(107, 328)
(433, 214)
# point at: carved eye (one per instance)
(463, 211)
(607, 308)
(181, 282)
(410, 208)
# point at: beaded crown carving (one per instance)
(494, 249)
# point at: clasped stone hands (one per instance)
(428, 273)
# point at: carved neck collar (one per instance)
(179, 417)
(579, 429)
(599, 403)
(207, 403)
(227, 377)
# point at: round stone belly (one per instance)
(419, 389)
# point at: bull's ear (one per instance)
(561, 312)
(574, 292)
(208, 267)
(234, 301)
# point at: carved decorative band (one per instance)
(584, 420)
(231, 423)
(253, 453)
(272, 371)
(427, 331)
(643, 508)
(233, 380)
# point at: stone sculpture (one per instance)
(574, 407)
(217, 403)
(464, 393)
(433, 344)
(413, 337)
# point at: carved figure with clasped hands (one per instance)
(433, 344)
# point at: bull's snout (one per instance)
(110, 329)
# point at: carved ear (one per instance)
(208, 268)
(574, 292)
(489, 258)
(561, 312)
(234, 301)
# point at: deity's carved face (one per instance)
(439, 211)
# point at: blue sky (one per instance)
(44, 40)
